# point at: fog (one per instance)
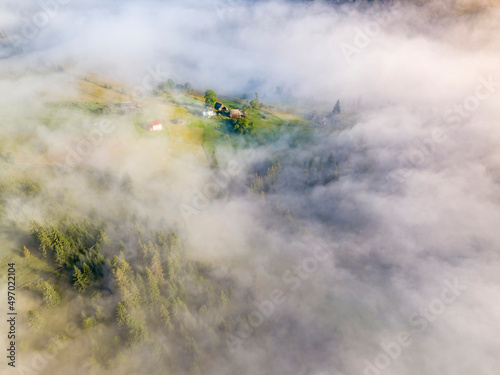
(397, 256)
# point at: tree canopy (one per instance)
(242, 125)
(210, 98)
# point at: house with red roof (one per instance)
(155, 126)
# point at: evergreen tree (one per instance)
(224, 299)
(173, 266)
(179, 310)
(154, 291)
(44, 241)
(336, 109)
(331, 160)
(121, 280)
(77, 279)
(88, 276)
(102, 237)
(127, 185)
(134, 293)
(82, 280)
(157, 268)
(214, 163)
(50, 295)
(272, 173)
(121, 314)
(258, 185)
(89, 322)
(122, 272)
(165, 317)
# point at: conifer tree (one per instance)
(77, 279)
(88, 276)
(154, 291)
(165, 317)
(214, 163)
(121, 314)
(157, 268)
(224, 299)
(50, 295)
(82, 280)
(331, 160)
(336, 109)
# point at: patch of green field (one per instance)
(210, 132)
(188, 100)
(27, 269)
(93, 89)
(90, 107)
(232, 104)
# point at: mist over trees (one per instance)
(306, 234)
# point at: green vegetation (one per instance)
(30, 189)
(71, 243)
(92, 107)
(127, 281)
(214, 163)
(166, 86)
(242, 125)
(35, 322)
(210, 98)
(336, 108)
(50, 296)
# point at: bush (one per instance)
(35, 322)
(30, 189)
(242, 125)
(89, 322)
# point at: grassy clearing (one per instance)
(180, 113)
(210, 132)
(92, 89)
(27, 269)
(232, 103)
(188, 100)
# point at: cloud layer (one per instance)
(408, 282)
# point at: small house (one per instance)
(235, 113)
(155, 126)
(218, 106)
(207, 112)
